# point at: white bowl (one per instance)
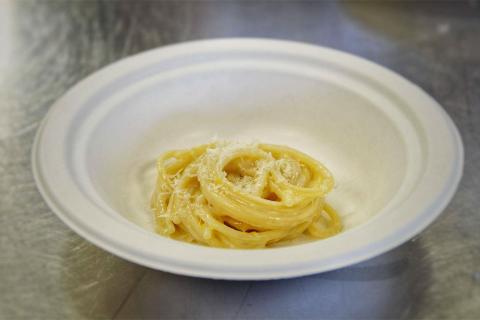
(396, 156)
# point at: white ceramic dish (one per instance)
(396, 156)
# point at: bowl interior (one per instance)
(352, 133)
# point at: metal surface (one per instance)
(46, 271)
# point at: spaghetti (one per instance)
(235, 195)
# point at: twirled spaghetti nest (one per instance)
(242, 196)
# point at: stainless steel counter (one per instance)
(48, 272)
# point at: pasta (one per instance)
(233, 195)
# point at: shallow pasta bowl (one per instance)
(396, 156)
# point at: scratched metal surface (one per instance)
(48, 272)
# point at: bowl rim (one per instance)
(173, 262)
